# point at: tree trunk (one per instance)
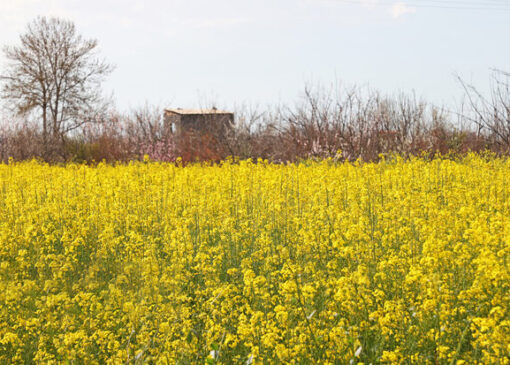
(45, 129)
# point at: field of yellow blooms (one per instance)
(248, 263)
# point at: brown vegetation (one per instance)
(362, 124)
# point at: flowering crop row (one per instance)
(317, 262)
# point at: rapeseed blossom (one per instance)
(253, 262)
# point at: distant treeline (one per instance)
(363, 124)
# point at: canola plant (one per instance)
(252, 262)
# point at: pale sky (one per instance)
(190, 53)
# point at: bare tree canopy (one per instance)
(490, 112)
(54, 74)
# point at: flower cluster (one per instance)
(251, 262)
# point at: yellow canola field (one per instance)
(248, 263)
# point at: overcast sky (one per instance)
(189, 53)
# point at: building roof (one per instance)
(196, 111)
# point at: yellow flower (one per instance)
(401, 261)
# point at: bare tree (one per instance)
(491, 113)
(56, 75)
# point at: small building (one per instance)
(212, 121)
